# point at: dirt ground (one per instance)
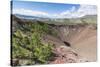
(86, 44)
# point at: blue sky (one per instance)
(51, 8)
(56, 10)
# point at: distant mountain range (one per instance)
(28, 17)
(85, 19)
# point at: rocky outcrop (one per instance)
(66, 55)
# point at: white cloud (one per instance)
(88, 10)
(82, 11)
(29, 12)
(68, 11)
(71, 13)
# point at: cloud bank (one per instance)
(81, 11)
(30, 12)
(71, 13)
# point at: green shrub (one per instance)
(28, 45)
